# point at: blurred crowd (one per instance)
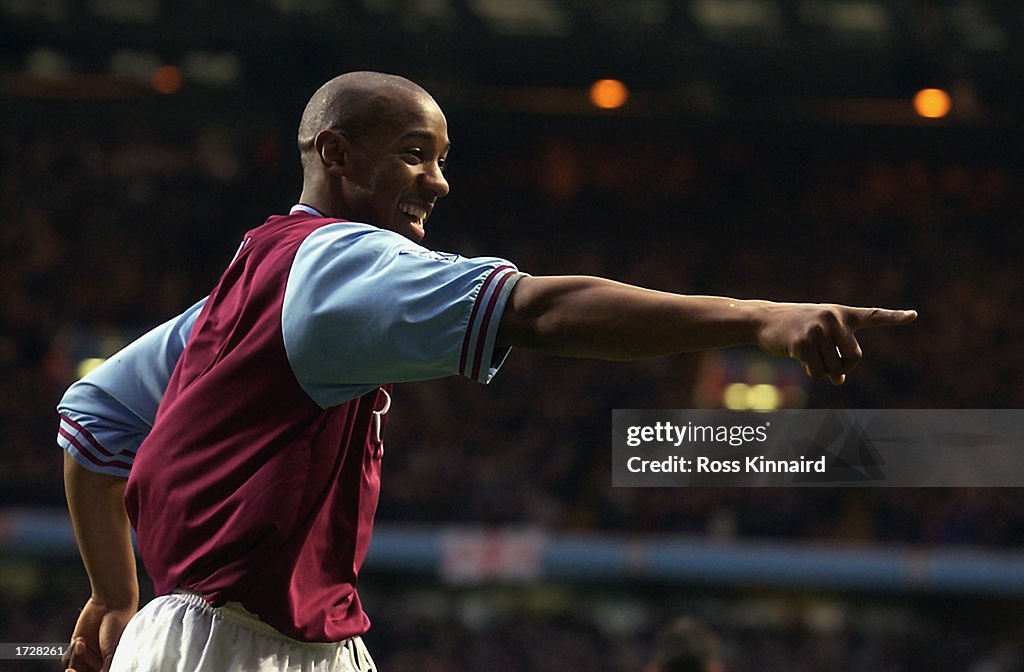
(109, 229)
(420, 627)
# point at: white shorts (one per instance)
(182, 633)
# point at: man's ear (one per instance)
(332, 150)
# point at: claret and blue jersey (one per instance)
(249, 426)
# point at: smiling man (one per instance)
(374, 148)
(243, 439)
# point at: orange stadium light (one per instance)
(608, 94)
(932, 103)
(167, 79)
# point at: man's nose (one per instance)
(434, 180)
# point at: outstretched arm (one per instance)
(582, 316)
(96, 504)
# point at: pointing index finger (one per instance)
(862, 318)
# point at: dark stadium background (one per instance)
(768, 149)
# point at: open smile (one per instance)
(417, 212)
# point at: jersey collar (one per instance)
(308, 209)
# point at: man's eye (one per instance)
(442, 163)
(414, 155)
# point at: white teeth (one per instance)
(417, 211)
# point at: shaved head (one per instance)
(373, 147)
(355, 104)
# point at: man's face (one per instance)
(393, 177)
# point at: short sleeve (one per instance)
(105, 416)
(365, 306)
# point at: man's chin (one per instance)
(414, 232)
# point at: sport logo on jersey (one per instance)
(430, 254)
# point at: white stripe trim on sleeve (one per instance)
(478, 344)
